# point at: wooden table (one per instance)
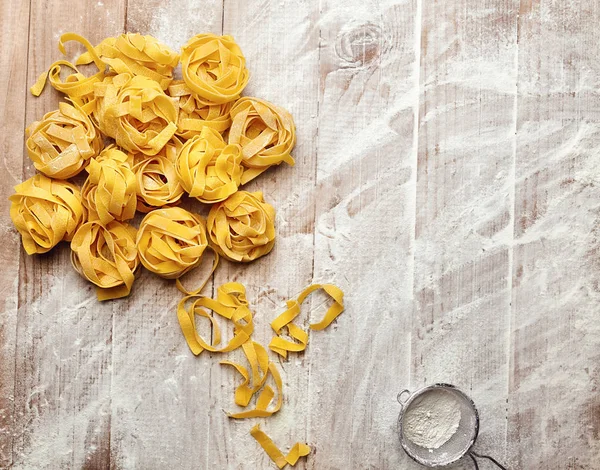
(447, 178)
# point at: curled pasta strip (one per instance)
(106, 256)
(61, 144)
(265, 132)
(231, 304)
(157, 181)
(281, 345)
(297, 451)
(142, 119)
(208, 168)
(242, 228)
(171, 241)
(75, 85)
(214, 68)
(265, 397)
(137, 55)
(194, 115)
(45, 211)
(259, 362)
(109, 192)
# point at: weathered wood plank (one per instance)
(554, 406)
(280, 41)
(161, 392)
(13, 52)
(364, 230)
(464, 205)
(62, 397)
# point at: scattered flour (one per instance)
(432, 419)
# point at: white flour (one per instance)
(432, 419)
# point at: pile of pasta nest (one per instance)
(168, 138)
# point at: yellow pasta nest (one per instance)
(106, 255)
(61, 144)
(194, 115)
(104, 95)
(171, 241)
(242, 228)
(137, 55)
(265, 132)
(157, 181)
(110, 190)
(208, 168)
(142, 118)
(45, 211)
(214, 68)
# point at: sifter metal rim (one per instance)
(413, 396)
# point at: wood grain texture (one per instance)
(464, 205)
(14, 41)
(446, 178)
(364, 230)
(555, 370)
(63, 357)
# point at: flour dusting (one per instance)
(432, 419)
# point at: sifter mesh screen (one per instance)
(458, 445)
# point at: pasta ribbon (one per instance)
(61, 144)
(214, 68)
(45, 211)
(105, 96)
(259, 362)
(171, 241)
(242, 228)
(194, 115)
(208, 168)
(265, 132)
(297, 451)
(157, 181)
(106, 255)
(231, 304)
(137, 55)
(76, 85)
(109, 192)
(265, 398)
(142, 119)
(282, 346)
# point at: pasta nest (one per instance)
(142, 118)
(110, 190)
(157, 181)
(194, 115)
(61, 144)
(265, 132)
(242, 228)
(45, 211)
(106, 255)
(209, 169)
(136, 54)
(171, 241)
(214, 68)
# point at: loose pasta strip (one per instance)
(265, 397)
(297, 451)
(46, 211)
(259, 365)
(281, 345)
(231, 304)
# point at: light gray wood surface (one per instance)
(447, 178)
